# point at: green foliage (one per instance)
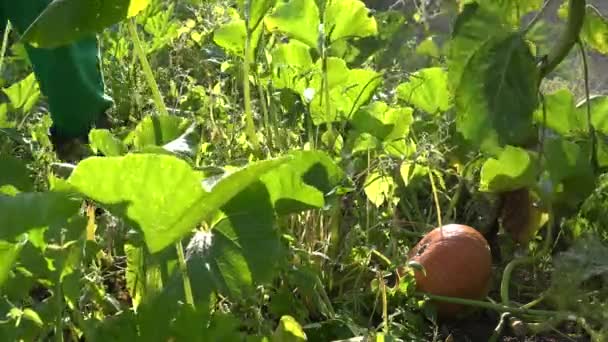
(66, 21)
(515, 168)
(298, 19)
(24, 94)
(427, 90)
(161, 195)
(298, 176)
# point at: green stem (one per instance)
(250, 125)
(546, 248)
(7, 31)
(265, 116)
(139, 50)
(184, 271)
(506, 277)
(576, 18)
(594, 162)
(495, 307)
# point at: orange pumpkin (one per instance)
(457, 261)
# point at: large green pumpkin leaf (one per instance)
(299, 19)
(241, 249)
(289, 330)
(349, 89)
(160, 194)
(389, 125)
(497, 94)
(348, 19)
(561, 115)
(157, 130)
(257, 10)
(65, 21)
(379, 187)
(515, 168)
(34, 210)
(599, 113)
(512, 10)
(303, 182)
(565, 159)
(24, 94)
(474, 26)
(103, 141)
(290, 62)
(427, 90)
(231, 36)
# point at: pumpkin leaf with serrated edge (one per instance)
(497, 94)
(157, 130)
(299, 19)
(103, 141)
(379, 187)
(427, 90)
(474, 26)
(348, 19)
(160, 194)
(515, 168)
(24, 94)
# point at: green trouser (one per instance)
(69, 76)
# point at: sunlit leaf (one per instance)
(599, 113)
(231, 36)
(348, 19)
(515, 168)
(134, 274)
(103, 141)
(427, 90)
(23, 94)
(299, 19)
(303, 182)
(291, 61)
(349, 89)
(412, 172)
(160, 194)
(379, 187)
(289, 330)
(560, 113)
(65, 21)
(157, 130)
(257, 10)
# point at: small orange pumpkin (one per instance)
(458, 263)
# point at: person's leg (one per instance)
(69, 76)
